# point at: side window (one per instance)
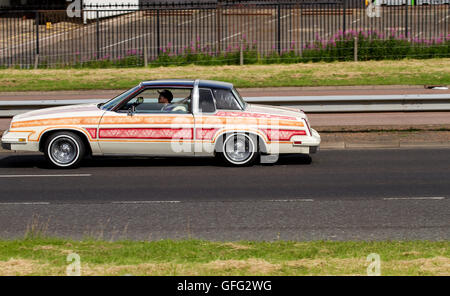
(225, 100)
(206, 101)
(165, 100)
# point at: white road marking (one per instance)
(231, 36)
(415, 198)
(146, 202)
(44, 176)
(127, 40)
(282, 17)
(197, 19)
(290, 200)
(24, 203)
(443, 19)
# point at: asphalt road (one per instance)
(340, 195)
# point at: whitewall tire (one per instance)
(64, 150)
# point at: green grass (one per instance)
(403, 72)
(38, 256)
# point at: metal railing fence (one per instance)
(142, 33)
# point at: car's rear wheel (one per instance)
(64, 150)
(239, 149)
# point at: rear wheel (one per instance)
(239, 149)
(64, 150)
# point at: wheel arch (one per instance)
(83, 136)
(261, 142)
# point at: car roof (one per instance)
(187, 83)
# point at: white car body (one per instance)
(108, 132)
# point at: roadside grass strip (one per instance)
(45, 256)
(400, 72)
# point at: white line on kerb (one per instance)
(146, 202)
(415, 198)
(44, 176)
(24, 203)
(290, 200)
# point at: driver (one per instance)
(165, 97)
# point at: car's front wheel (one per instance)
(239, 149)
(64, 150)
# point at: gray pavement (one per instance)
(342, 195)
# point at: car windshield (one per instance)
(240, 99)
(113, 102)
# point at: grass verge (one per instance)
(403, 72)
(36, 256)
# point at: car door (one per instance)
(142, 126)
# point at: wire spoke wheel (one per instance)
(239, 149)
(64, 150)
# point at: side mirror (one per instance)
(139, 100)
(132, 110)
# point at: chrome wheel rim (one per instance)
(64, 151)
(238, 149)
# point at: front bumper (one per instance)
(18, 141)
(6, 146)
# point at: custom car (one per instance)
(164, 118)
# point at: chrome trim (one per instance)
(195, 97)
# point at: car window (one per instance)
(225, 100)
(206, 101)
(147, 101)
(115, 101)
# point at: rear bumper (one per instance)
(297, 145)
(314, 149)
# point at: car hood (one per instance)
(275, 110)
(58, 112)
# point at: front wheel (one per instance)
(64, 150)
(239, 150)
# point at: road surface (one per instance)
(340, 195)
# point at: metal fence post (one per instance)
(98, 35)
(406, 19)
(158, 32)
(355, 49)
(36, 58)
(145, 52)
(218, 28)
(241, 53)
(344, 16)
(279, 28)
